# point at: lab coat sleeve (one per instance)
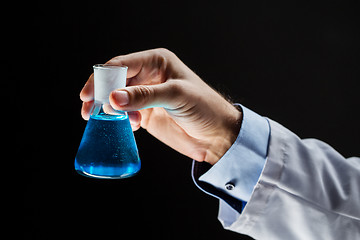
(306, 190)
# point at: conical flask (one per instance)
(108, 149)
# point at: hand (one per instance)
(173, 104)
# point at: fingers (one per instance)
(133, 61)
(86, 108)
(135, 120)
(146, 67)
(147, 96)
(87, 93)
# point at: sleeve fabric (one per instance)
(306, 190)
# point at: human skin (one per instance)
(172, 103)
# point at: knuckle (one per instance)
(176, 92)
(175, 89)
(143, 94)
(144, 91)
(164, 53)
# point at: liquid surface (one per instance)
(108, 148)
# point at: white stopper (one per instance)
(107, 78)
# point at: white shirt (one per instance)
(294, 188)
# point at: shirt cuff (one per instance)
(234, 176)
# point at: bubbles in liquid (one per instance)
(108, 148)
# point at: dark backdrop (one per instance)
(295, 63)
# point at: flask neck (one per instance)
(106, 111)
(107, 78)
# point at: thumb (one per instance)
(146, 96)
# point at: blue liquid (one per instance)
(108, 148)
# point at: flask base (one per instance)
(108, 172)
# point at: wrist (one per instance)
(226, 137)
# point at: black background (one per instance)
(296, 63)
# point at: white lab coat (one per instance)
(306, 190)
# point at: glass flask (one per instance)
(107, 149)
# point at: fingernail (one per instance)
(121, 97)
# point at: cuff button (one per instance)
(229, 186)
